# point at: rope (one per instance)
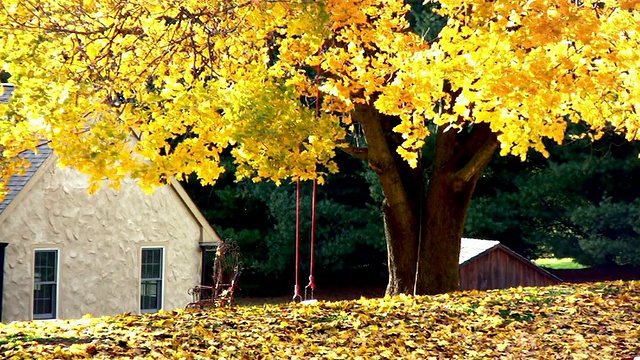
(296, 289)
(312, 284)
(311, 287)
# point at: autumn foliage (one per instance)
(560, 322)
(221, 73)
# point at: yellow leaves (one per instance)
(198, 77)
(536, 323)
(537, 62)
(345, 13)
(410, 156)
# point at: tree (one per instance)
(222, 74)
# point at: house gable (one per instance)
(209, 234)
(18, 184)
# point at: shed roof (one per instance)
(470, 248)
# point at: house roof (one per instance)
(17, 182)
(474, 249)
(6, 94)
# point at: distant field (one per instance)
(559, 264)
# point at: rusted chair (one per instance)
(227, 268)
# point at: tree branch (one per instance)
(480, 158)
(357, 152)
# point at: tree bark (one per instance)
(401, 185)
(460, 159)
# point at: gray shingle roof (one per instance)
(17, 182)
(6, 94)
(471, 248)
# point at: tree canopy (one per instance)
(227, 73)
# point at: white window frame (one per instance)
(56, 299)
(162, 278)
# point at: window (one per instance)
(151, 279)
(45, 290)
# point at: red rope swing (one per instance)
(296, 288)
(310, 289)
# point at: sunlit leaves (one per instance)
(194, 78)
(531, 65)
(568, 322)
(153, 90)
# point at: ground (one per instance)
(569, 321)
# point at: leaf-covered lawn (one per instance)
(562, 322)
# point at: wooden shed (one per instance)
(487, 264)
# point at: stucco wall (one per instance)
(100, 237)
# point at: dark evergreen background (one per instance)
(582, 202)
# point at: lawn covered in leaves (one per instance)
(583, 321)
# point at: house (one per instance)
(487, 264)
(68, 253)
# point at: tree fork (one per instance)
(460, 160)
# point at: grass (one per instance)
(559, 264)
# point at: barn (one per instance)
(487, 264)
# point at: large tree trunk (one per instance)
(423, 232)
(460, 160)
(402, 186)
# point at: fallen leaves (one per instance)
(559, 322)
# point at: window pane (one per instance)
(154, 270)
(151, 280)
(150, 299)
(44, 299)
(149, 288)
(45, 284)
(145, 272)
(46, 265)
(151, 263)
